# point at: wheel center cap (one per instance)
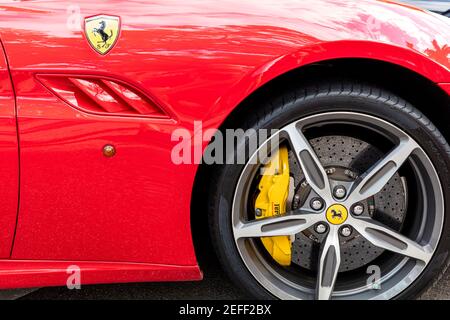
(337, 214)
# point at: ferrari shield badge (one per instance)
(102, 32)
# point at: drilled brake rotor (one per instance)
(344, 158)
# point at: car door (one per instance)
(9, 165)
(97, 180)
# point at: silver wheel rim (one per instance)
(416, 252)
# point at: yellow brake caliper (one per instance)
(271, 201)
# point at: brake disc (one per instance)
(344, 159)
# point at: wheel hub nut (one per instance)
(358, 209)
(340, 192)
(346, 231)
(321, 228)
(317, 204)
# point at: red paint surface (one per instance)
(445, 87)
(9, 163)
(195, 59)
(36, 274)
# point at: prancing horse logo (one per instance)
(102, 32)
(105, 37)
(337, 214)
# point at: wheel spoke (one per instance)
(289, 224)
(309, 162)
(329, 262)
(388, 239)
(374, 180)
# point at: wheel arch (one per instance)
(404, 72)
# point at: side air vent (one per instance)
(102, 96)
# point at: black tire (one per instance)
(294, 104)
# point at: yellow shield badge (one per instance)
(102, 32)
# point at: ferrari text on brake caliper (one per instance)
(271, 201)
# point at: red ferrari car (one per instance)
(109, 111)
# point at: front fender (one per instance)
(405, 57)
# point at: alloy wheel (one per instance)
(401, 249)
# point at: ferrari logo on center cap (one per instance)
(337, 214)
(102, 32)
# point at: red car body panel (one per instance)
(31, 274)
(445, 87)
(196, 60)
(9, 161)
